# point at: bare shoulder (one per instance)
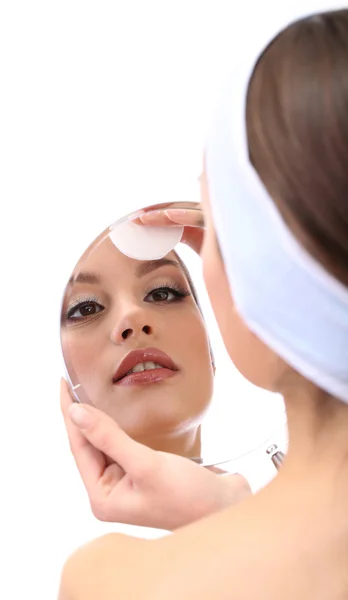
(242, 552)
(197, 561)
(112, 566)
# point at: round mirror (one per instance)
(140, 342)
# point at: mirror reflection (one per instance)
(136, 345)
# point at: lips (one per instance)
(142, 356)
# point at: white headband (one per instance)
(283, 294)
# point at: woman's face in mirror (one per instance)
(114, 305)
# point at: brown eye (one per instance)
(84, 310)
(167, 294)
(160, 295)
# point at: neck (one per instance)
(185, 443)
(317, 457)
(306, 504)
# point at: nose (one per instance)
(135, 324)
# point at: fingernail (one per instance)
(149, 216)
(80, 415)
(136, 215)
(175, 212)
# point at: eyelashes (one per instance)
(161, 293)
(91, 305)
(88, 307)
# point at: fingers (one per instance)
(106, 436)
(187, 217)
(156, 218)
(193, 237)
(187, 214)
(167, 205)
(89, 461)
(171, 217)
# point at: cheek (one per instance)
(190, 342)
(190, 326)
(189, 330)
(81, 352)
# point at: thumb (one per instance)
(105, 435)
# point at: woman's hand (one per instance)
(130, 483)
(188, 214)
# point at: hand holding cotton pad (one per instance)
(144, 243)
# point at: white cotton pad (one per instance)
(144, 242)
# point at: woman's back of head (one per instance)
(297, 125)
(276, 165)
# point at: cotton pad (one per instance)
(144, 242)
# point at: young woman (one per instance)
(274, 193)
(118, 312)
(121, 315)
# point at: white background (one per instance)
(103, 110)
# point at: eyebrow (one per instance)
(84, 277)
(144, 268)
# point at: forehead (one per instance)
(105, 260)
(103, 255)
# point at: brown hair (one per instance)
(297, 125)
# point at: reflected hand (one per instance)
(138, 485)
(172, 214)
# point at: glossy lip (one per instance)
(140, 356)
